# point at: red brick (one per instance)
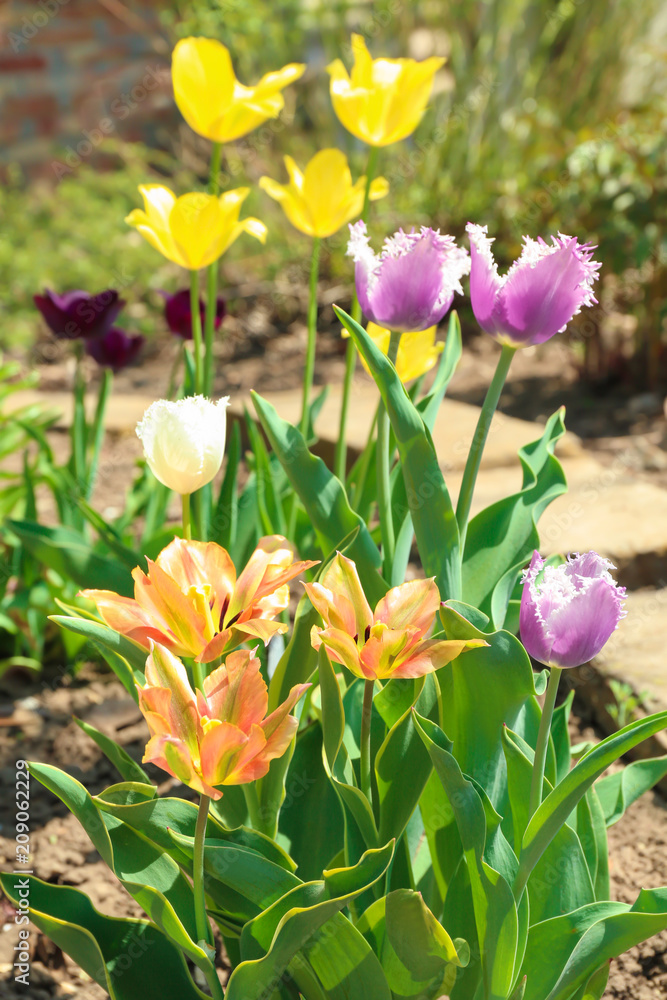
(55, 34)
(36, 106)
(21, 63)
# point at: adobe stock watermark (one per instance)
(120, 108)
(22, 885)
(43, 12)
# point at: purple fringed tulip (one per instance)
(79, 314)
(178, 314)
(568, 616)
(411, 284)
(543, 289)
(115, 349)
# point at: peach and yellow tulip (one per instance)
(322, 198)
(382, 100)
(212, 100)
(195, 229)
(192, 602)
(418, 351)
(218, 736)
(393, 640)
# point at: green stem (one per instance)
(479, 440)
(203, 927)
(365, 741)
(98, 429)
(537, 780)
(254, 809)
(309, 367)
(211, 281)
(383, 473)
(79, 422)
(201, 920)
(187, 524)
(340, 458)
(196, 330)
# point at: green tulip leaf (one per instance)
(618, 791)
(128, 768)
(429, 503)
(121, 955)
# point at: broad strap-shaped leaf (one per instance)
(323, 496)
(501, 673)
(577, 944)
(596, 985)
(73, 557)
(150, 875)
(122, 955)
(134, 654)
(558, 805)
(428, 408)
(562, 879)
(429, 503)
(121, 760)
(561, 736)
(271, 940)
(618, 791)
(417, 954)
(496, 915)
(403, 765)
(310, 818)
(501, 538)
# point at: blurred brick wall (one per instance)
(74, 71)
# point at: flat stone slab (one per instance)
(636, 651)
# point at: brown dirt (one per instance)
(40, 727)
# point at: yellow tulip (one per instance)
(383, 100)
(418, 351)
(195, 229)
(212, 100)
(322, 198)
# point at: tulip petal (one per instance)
(164, 670)
(341, 648)
(581, 628)
(197, 564)
(343, 580)
(124, 615)
(224, 748)
(429, 656)
(236, 692)
(412, 604)
(162, 599)
(203, 80)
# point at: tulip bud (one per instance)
(184, 441)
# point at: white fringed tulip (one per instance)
(184, 441)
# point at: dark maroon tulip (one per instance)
(179, 316)
(115, 349)
(79, 314)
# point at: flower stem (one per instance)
(479, 440)
(185, 507)
(383, 474)
(201, 920)
(309, 367)
(211, 281)
(365, 741)
(203, 927)
(340, 458)
(537, 781)
(196, 329)
(98, 429)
